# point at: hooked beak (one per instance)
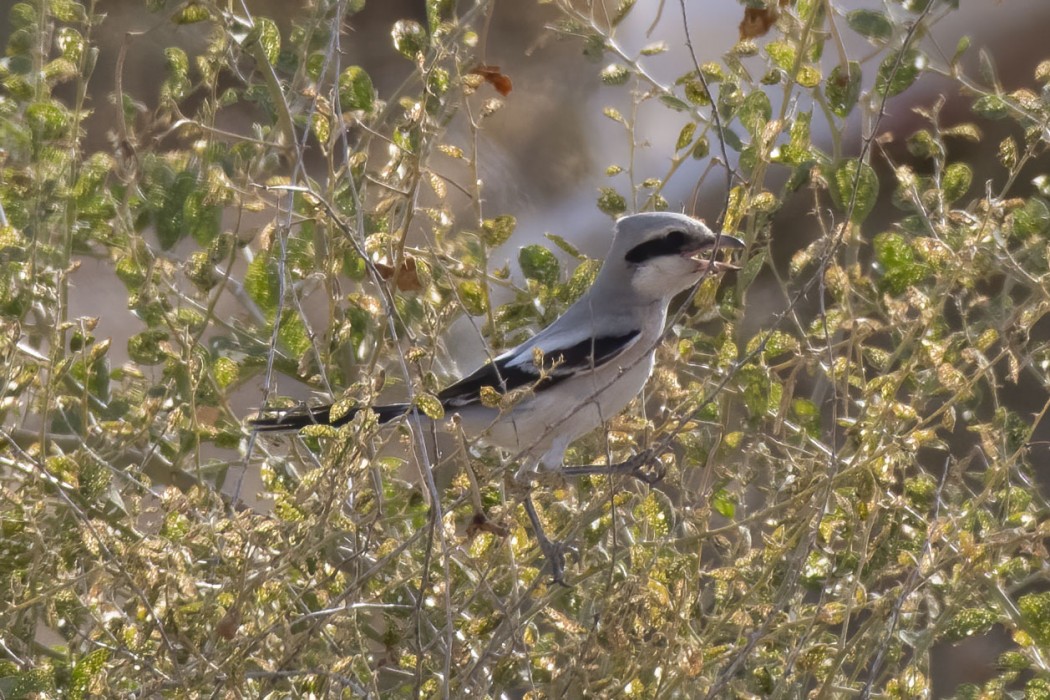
(724, 242)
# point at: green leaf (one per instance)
(539, 264)
(956, 181)
(564, 246)
(355, 90)
(202, 220)
(173, 219)
(808, 415)
(622, 11)
(47, 121)
(87, 669)
(71, 43)
(776, 343)
(755, 112)
(724, 503)
(496, 231)
(842, 88)
(615, 74)
(899, 266)
(922, 144)
(130, 273)
(191, 13)
(177, 83)
(1035, 614)
(783, 54)
(269, 37)
(1042, 72)
(292, 334)
(410, 38)
(695, 92)
(1033, 219)
(472, 295)
(854, 183)
(438, 11)
(701, 148)
(611, 202)
(898, 71)
(871, 24)
(808, 76)
(674, 103)
(581, 280)
(685, 136)
(145, 347)
(226, 371)
(992, 107)
(1008, 154)
(961, 48)
(759, 392)
(732, 140)
(262, 283)
(431, 406)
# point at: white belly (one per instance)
(542, 425)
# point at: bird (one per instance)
(580, 371)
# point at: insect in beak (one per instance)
(725, 242)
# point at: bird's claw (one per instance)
(554, 552)
(646, 467)
(482, 523)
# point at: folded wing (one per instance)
(518, 368)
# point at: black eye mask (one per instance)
(674, 243)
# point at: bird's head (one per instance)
(663, 253)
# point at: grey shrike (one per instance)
(581, 370)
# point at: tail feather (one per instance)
(278, 420)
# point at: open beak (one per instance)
(724, 242)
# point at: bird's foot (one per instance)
(644, 466)
(481, 523)
(554, 551)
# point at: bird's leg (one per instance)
(481, 521)
(553, 551)
(644, 466)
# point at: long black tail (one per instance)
(277, 420)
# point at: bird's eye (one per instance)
(676, 239)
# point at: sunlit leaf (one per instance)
(355, 90)
(615, 74)
(724, 503)
(899, 266)
(956, 181)
(685, 136)
(498, 230)
(146, 348)
(430, 405)
(855, 184)
(898, 71)
(269, 37)
(410, 38)
(1033, 219)
(474, 298)
(1035, 615)
(991, 107)
(842, 88)
(611, 202)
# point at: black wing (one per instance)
(518, 370)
